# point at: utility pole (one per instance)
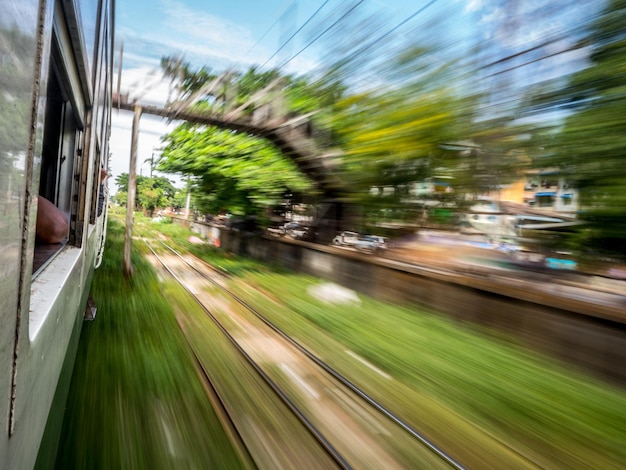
(130, 203)
(188, 202)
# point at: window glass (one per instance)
(59, 161)
(88, 14)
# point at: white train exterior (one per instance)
(56, 63)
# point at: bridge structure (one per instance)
(263, 115)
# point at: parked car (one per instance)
(371, 243)
(293, 230)
(276, 231)
(345, 239)
(296, 230)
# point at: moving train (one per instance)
(56, 70)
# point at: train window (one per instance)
(97, 188)
(60, 153)
(101, 120)
(88, 12)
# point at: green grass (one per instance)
(554, 415)
(510, 396)
(135, 400)
(487, 401)
(180, 237)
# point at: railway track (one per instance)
(221, 408)
(257, 437)
(353, 429)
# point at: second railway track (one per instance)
(355, 430)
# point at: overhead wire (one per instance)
(406, 20)
(378, 40)
(395, 28)
(233, 67)
(363, 49)
(295, 33)
(320, 35)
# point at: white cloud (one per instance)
(201, 39)
(151, 129)
(474, 5)
(205, 30)
(497, 16)
(146, 85)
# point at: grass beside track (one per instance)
(548, 415)
(135, 400)
(472, 393)
(133, 378)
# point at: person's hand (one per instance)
(52, 225)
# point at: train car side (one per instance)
(56, 62)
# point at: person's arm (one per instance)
(52, 226)
(103, 176)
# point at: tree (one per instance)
(232, 171)
(121, 198)
(122, 182)
(151, 193)
(590, 147)
(187, 80)
(395, 136)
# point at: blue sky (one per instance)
(241, 33)
(219, 34)
(225, 33)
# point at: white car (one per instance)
(345, 239)
(296, 230)
(371, 243)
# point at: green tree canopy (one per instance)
(232, 171)
(152, 192)
(590, 146)
(399, 134)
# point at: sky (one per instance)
(241, 33)
(221, 34)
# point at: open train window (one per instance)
(60, 152)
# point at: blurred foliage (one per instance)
(392, 137)
(232, 171)
(550, 416)
(187, 80)
(419, 125)
(498, 405)
(135, 400)
(497, 396)
(409, 109)
(16, 69)
(120, 197)
(588, 147)
(152, 192)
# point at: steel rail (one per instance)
(319, 437)
(222, 410)
(342, 379)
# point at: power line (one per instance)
(320, 35)
(399, 25)
(262, 37)
(363, 49)
(395, 28)
(294, 34)
(406, 20)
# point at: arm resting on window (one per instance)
(52, 226)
